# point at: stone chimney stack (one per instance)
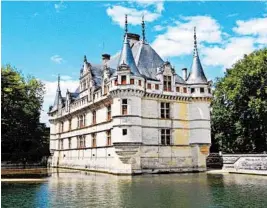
(184, 73)
(105, 58)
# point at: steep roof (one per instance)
(126, 57)
(146, 59)
(196, 75)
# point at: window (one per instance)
(139, 82)
(61, 127)
(81, 141)
(177, 89)
(209, 90)
(124, 131)
(109, 112)
(131, 81)
(165, 136)
(123, 80)
(156, 86)
(192, 90)
(116, 82)
(185, 90)
(167, 83)
(105, 90)
(69, 124)
(165, 110)
(108, 138)
(69, 143)
(201, 89)
(124, 107)
(81, 121)
(148, 86)
(60, 144)
(93, 140)
(94, 117)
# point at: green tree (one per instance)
(239, 107)
(21, 101)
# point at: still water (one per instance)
(79, 189)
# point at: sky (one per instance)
(45, 39)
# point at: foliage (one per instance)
(23, 136)
(239, 107)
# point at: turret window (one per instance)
(165, 136)
(93, 140)
(192, 90)
(131, 81)
(124, 107)
(109, 112)
(94, 117)
(156, 86)
(148, 86)
(177, 89)
(201, 90)
(123, 80)
(139, 82)
(108, 138)
(69, 143)
(167, 83)
(69, 124)
(209, 90)
(165, 110)
(185, 90)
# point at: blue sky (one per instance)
(49, 38)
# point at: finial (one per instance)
(58, 81)
(126, 24)
(84, 58)
(143, 29)
(195, 42)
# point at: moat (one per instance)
(83, 189)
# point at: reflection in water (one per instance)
(75, 189)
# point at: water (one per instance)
(81, 189)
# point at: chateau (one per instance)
(133, 114)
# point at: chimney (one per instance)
(184, 70)
(105, 58)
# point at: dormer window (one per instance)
(201, 89)
(167, 83)
(192, 90)
(123, 80)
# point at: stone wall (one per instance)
(245, 163)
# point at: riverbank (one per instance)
(232, 171)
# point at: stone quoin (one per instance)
(133, 114)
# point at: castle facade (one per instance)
(133, 114)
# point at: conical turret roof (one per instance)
(127, 57)
(196, 75)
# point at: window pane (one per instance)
(162, 140)
(162, 131)
(124, 101)
(168, 140)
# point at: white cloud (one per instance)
(60, 6)
(50, 88)
(226, 55)
(117, 13)
(57, 59)
(159, 28)
(256, 27)
(178, 39)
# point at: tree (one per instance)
(239, 107)
(21, 103)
